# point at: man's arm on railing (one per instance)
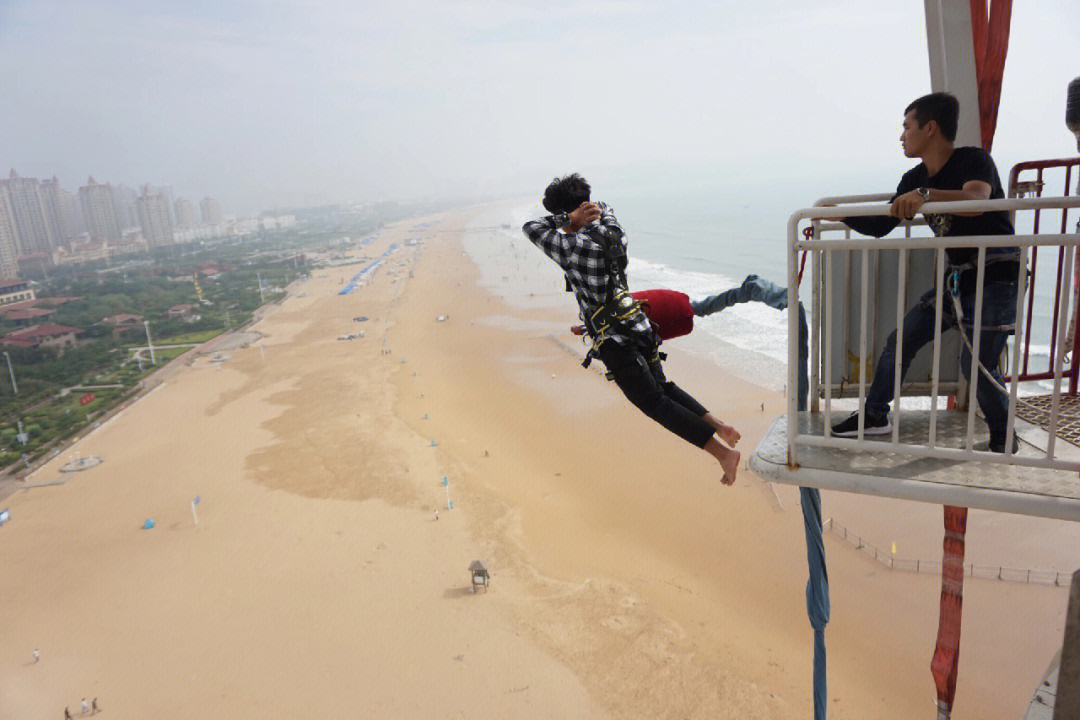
(972, 190)
(878, 225)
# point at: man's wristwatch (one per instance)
(924, 192)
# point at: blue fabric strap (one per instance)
(817, 587)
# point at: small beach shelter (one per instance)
(480, 575)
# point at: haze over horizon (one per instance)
(289, 104)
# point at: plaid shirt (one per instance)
(581, 256)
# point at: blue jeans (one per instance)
(756, 289)
(999, 309)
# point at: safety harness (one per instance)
(954, 271)
(621, 308)
(952, 284)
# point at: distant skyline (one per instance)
(288, 103)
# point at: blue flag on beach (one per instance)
(195, 501)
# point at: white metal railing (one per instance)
(819, 247)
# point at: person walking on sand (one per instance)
(67, 714)
(586, 241)
(93, 707)
(37, 656)
(85, 706)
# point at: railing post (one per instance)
(935, 369)
(901, 302)
(1074, 369)
(865, 265)
(1058, 354)
(976, 342)
(828, 340)
(793, 332)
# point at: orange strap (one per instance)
(991, 42)
(947, 653)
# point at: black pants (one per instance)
(643, 383)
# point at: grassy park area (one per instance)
(110, 363)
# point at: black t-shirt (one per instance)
(964, 165)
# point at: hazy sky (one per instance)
(293, 103)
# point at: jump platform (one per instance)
(966, 482)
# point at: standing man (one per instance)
(947, 173)
(588, 244)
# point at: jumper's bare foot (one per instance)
(723, 431)
(728, 434)
(731, 466)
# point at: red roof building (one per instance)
(123, 320)
(57, 337)
(179, 311)
(26, 315)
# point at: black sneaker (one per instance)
(874, 425)
(999, 447)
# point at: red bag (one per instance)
(668, 310)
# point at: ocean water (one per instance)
(701, 245)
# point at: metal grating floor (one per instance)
(1036, 410)
(986, 485)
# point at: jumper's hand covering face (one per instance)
(585, 213)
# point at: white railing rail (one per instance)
(834, 208)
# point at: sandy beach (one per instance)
(626, 581)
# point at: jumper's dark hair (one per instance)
(565, 194)
(942, 108)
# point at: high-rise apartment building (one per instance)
(70, 216)
(153, 211)
(99, 210)
(166, 192)
(52, 205)
(184, 212)
(9, 253)
(124, 201)
(211, 211)
(32, 231)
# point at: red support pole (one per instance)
(946, 660)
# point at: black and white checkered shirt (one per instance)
(582, 258)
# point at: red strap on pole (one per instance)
(808, 233)
(991, 41)
(947, 653)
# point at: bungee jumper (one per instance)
(588, 244)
